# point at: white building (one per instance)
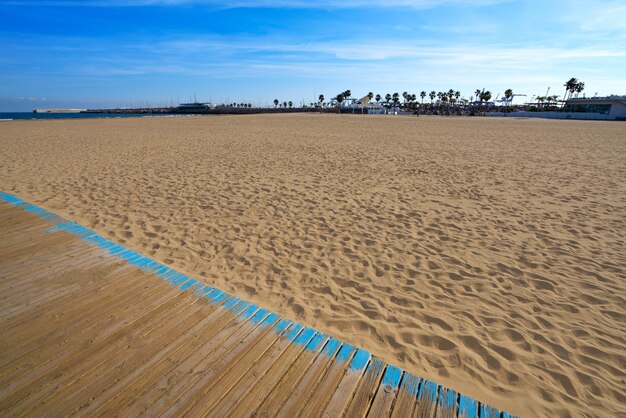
(612, 107)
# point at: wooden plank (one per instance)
(173, 387)
(24, 384)
(298, 394)
(116, 397)
(386, 393)
(364, 394)
(487, 411)
(81, 382)
(261, 326)
(31, 392)
(407, 396)
(255, 374)
(446, 403)
(259, 357)
(320, 397)
(468, 407)
(103, 307)
(345, 389)
(285, 372)
(426, 400)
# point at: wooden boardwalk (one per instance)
(88, 327)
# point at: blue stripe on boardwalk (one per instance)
(15, 201)
(487, 411)
(293, 331)
(304, 336)
(188, 284)
(283, 326)
(331, 347)
(314, 344)
(269, 321)
(345, 353)
(392, 377)
(360, 360)
(428, 391)
(410, 384)
(447, 399)
(507, 415)
(468, 407)
(229, 303)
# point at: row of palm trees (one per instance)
(442, 100)
(284, 105)
(573, 85)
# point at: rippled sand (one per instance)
(485, 254)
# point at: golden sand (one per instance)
(485, 254)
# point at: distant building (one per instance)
(612, 107)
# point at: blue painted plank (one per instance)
(487, 411)
(446, 402)
(304, 337)
(410, 384)
(331, 347)
(392, 377)
(468, 407)
(315, 343)
(360, 360)
(294, 331)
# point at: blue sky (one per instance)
(99, 53)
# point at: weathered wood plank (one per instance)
(446, 403)
(426, 400)
(407, 396)
(316, 402)
(298, 394)
(233, 367)
(344, 391)
(487, 411)
(468, 407)
(253, 376)
(364, 394)
(386, 393)
(265, 396)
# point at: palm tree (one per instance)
(477, 94)
(508, 93)
(432, 96)
(570, 86)
(387, 98)
(457, 94)
(275, 103)
(405, 95)
(396, 99)
(347, 94)
(321, 99)
(580, 86)
(284, 105)
(370, 95)
(378, 98)
(422, 95)
(290, 103)
(484, 96)
(339, 99)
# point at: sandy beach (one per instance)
(486, 254)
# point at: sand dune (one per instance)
(486, 254)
